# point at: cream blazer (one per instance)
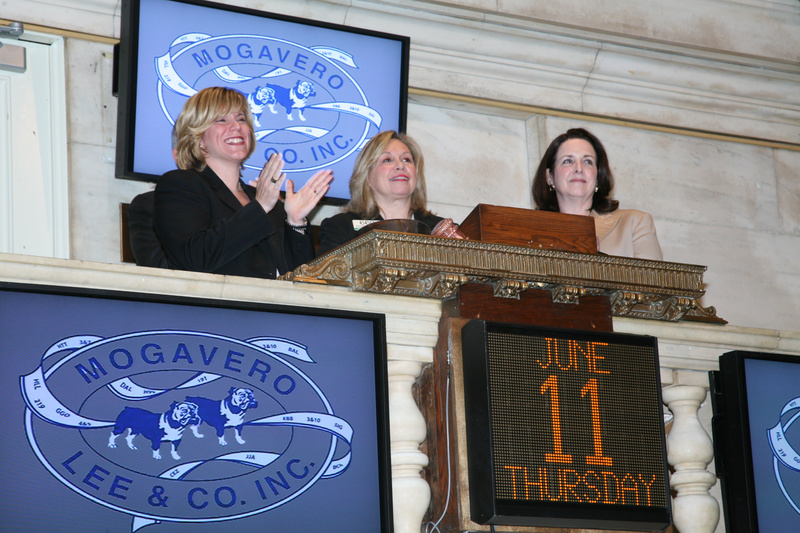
(627, 232)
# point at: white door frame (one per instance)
(35, 178)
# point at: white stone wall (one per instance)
(492, 81)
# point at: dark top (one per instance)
(203, 227)
(338, 229)
(145, 245)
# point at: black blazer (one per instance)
(145, 245)
(338, 229)
(203, 227)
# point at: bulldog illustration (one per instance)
(156, 427)
(260, 98)
(225, 413)
(290, 99)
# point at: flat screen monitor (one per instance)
(318, 91)
(756, 404)
(131, 412)
(564, 428)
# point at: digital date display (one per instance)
(573, 426)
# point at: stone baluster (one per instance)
(689, 451)
(411, 494)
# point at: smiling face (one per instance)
(227, 140)
(394, 176)
(574, 173)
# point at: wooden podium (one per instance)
(486, 223)
(538, 229)
(516, 254)
(541, 230)
(518, 266)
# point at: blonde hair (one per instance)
(198, 114)
(362, 201)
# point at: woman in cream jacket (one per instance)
(574, 177)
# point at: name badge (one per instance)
(358, 224)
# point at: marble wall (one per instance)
(696, 101)
(730, 206)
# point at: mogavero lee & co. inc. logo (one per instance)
(305, 103)
(783, 453)
(183, 426)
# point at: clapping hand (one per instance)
(299, 204)
(269, 181)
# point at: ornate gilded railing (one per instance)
(434, 267)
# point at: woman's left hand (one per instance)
(299, 204)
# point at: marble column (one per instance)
(410, 492)
(689, 451)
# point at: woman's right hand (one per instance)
(269, 182)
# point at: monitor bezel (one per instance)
(732, 438)
(380, 362)
(125, 83)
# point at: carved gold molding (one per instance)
(435, 267)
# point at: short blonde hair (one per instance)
(362, 201)
(198, 114)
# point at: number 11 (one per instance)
(558, 455)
